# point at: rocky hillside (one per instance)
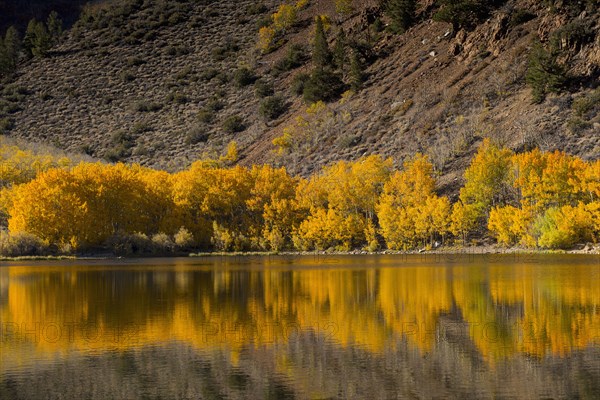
(166, 82)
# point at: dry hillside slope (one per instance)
(155, 81)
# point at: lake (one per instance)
(306, 327)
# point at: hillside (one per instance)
(154, 82)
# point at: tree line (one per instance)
(37, 41)
(532, 199)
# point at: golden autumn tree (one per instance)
(272, 207)
(85, 205)
(341, 203)
(488, 183)
(557, 194)
(409, 211)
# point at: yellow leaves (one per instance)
(231, 156)
(87, 204)
(487, 177)
(20, 166)
(343, 7)
(563, 227)
(341, 201)
(409, 211)
(508, 224)
(346, 205)
(326, 228)
(301, 4)
(266, 38)
(285, 17)
(464, 218)
(282, 20)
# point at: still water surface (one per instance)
(314, 327)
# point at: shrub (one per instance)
(244, 77)
(125, 244)
(233, 124)
(215, 104)
(135, 61)
(146, 106)
(162, 243)
(343, 7)
(21, 244)
(272, 107)
(561, 228)
(520, 16)
(299, 82)
(116, 153)
(127, 76)
(177, 51)
(294, 58)
(285, 17)
(6, 124)
(196, 135)
(222, 52)
(121, 137)
(463, 13)
(206, 115)
(263, 89)
(256, 8)
(208, 74)
(266, 39)
(183, 238)
(323, 85)
(587, 106)
(141, 127)
(178, 98)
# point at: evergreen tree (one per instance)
(544, 74)
(402, 14)
(321, 52)
(357, 76)
(339, 50)
(55, 26)
(463, 13)
(4, 60)
(37, 40)
(10, 49)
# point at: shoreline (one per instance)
(588, 249)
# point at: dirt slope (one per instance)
(430, 89)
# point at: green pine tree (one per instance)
(55, 26)
(402, 14)
(37, 40)
(544, 74)
(12, 48)
(463, 13)
(321, 53)
(357, 76)
(339, 50)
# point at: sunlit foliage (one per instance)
(532, 199)
(341, 204)
(488, 182)
(409, 211)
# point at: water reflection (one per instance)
(287, 314)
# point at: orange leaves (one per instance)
(89, 203)
(533, 199)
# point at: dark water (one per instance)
(364, 327)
